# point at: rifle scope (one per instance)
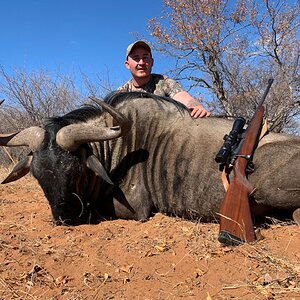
(230, 140)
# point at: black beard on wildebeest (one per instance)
(65, 193)
(143, 154)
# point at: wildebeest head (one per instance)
(62, 161)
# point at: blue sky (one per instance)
(74, 35)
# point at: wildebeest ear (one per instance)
(95, 165)
(19, 170)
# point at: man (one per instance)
(139, 62)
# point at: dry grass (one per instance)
(163, 258)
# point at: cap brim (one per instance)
(137, 44)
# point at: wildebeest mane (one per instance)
(117, 97)
(86, 112)
(82, 114)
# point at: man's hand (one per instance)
(199, 111)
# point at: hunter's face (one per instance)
(139, 62)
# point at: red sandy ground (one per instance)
(163, 258)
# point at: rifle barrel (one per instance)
(270, 81)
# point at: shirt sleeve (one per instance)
(172, 87)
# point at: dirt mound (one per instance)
(163, 258)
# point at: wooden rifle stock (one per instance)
(236, 225)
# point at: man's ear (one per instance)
(127, 64)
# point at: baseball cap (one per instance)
(137, 44)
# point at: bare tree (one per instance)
(29, 99)
(277, 40)
(32, 97)
(231, 49)
(99, 86)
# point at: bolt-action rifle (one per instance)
(236, 225)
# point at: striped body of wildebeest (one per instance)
(140, 154)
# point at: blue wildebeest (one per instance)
(142, 154)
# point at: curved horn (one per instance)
(19, 170)
(31, 137)
(120, 118)
(72, 136)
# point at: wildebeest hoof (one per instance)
(296, 216)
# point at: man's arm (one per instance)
(198, 110)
